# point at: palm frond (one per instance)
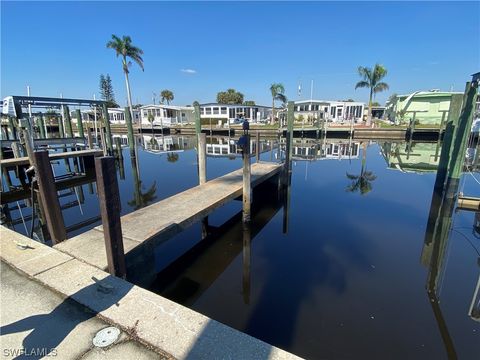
(362, 84)
(379, 87)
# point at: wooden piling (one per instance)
(80, 124)
(202, 158)
(68, 121)
(257, 147)
(198, 121)
(48, 193)
(41, 126)
(247, 198)
(109, 197)
(118, 148)
(128, 121)
(89, 137)
(12, 127)
(108, 135)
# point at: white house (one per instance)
(166, 115)
(231, 112)
(115, 115)
(335, 111)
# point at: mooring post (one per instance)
(109, 197)
(247, 198)
(246, 254)
(460, 138)
(108, 135)
(27, 137)
(202, 158)
(41, 126)
(80, 124)
(12, 127)
(118, 148)
(128, 121)
(68, 121)
(102, 139)
(48, 193)
(257, 147)
(89, 137)
(198, 121)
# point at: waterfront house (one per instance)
(428, 106)
(334, 111)
(221, 114)
(115, 115)
(166, 115)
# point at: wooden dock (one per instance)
(162, 220)
(21, 161)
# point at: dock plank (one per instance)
(167, 217)
(54, 156)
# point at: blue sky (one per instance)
(59, 47)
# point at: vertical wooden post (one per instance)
(89, 137)
(12, 127)
(48, 193)
(247, 196)
(128, 120)
(202, 158)
(246, 254)
(109, 197)
(118, 147)
(257, 147)
(462, 133)
(68, 121)
(80, 124)
(29, 145)
(198, 120)
(108, 135)
(41, 125)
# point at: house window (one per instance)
(208, 111)
(332, 111)
(339, 112)
(223, 110)
(231, 113)
(215, 111)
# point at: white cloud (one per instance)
(188, 71)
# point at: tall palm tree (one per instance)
(362, 182)
(124, 48)
(372, 80)
(278, 93)
(167, 96)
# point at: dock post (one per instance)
(48, 194)
(198, 120)
(460, 139)
(108, 135)
(41, 126)
(80, 124)
(68, 121)
(118, 148)
(246, 255)
(12, 127)
(128, 120)
(202, 158)
(89, 137)
(61, 130)
(247, 193)
(257, 147)
(109, 197)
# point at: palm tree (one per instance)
(362, 182)
(278, 93)
(124, 48)
(372, 80)
(167, 96)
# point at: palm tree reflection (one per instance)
(362, 182)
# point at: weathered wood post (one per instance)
(108, 135)
(198, 120)
(257, 147)
(89, 137)
(41, 126)
(68, 121)
(247, 191)
(202, 158)
(128, 121)
(109, 197)
(80, 124)
(118, 148)
(246, 254)
(460, 138)
(48, 194)
(12, 127)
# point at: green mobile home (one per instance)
(428, 107)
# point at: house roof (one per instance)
(428, 94)
(171, 107)
(328, 102)
(234, 105)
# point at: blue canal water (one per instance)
(333, 267)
